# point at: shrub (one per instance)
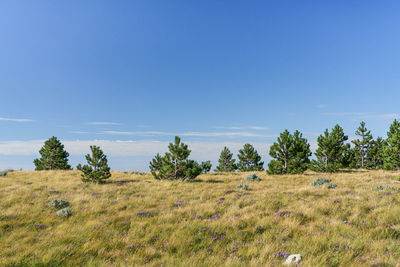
(65, 212)
(3, 173)
(138, 172)
(59, 203)
(252, 178)
(320, 182)
(383, 187)
(243, 187)
(331, 185)
(323, 182)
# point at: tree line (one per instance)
(291, 154)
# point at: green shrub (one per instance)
(243, 187)
(59, 203)
(138, 172)
(3, 173)
(383, 187)
(65, 212)
(330, 185)
(252, 178)
(323, 182)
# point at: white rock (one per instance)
(294, 258)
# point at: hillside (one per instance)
(137, 220)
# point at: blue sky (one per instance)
(129, 75)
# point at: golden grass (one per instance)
(203, 223)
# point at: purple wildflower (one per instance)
(40, 226)
(216, 216)
(144, 214)
(282, 254)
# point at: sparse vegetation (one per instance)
(151, 222)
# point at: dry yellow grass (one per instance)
(203, 223)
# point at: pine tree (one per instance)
(362, 146)
(206, 166)
(97, 170)
(175, 164)
(53, 156)
(331, 150)
(226, 163)
(291, 154)
(375, 154)
(391, 152)
(249, 159)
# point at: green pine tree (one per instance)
(226, 163)
(53, 156)
(375, 154)
(175, 164)
(206, 166)
(97, 170)
(362, 145)
(391, 152)
(249, 159)
(291, 154)
(331, 150)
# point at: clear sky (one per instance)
(129, 75)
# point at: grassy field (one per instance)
(136, 220)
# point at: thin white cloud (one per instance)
(191, 134)
(79, 132)
(227, 134)
(102, 123)
(321, 106)
(201, 150)
(242, 127)
(16, 120)
(364, 115)
(146, 133)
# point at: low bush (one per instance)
(324, 182)
(59, 203)
(3, 173)
(243, 187)
(65, 212)
(383, 187)
(252, 178)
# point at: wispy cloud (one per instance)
(242, 127)
(321, 106)
(201, 150)
(79, 132)
(16, 120)
(364, 115)
(227, 134)
(102, 123)
(145, 133)
(190, 134)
